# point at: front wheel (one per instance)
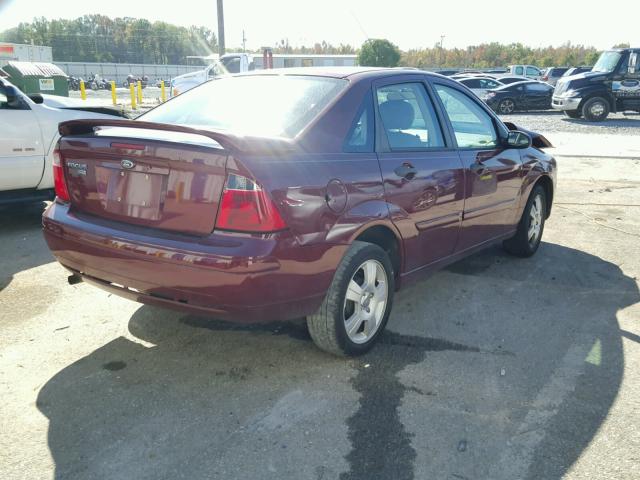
(529, 233)
(357, 305)
(595, 109)
(506, 106)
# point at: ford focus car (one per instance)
(306, 193)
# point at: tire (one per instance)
(596, 109)
(507, 106)
(521, 244)
(368, 315)
(573, 113)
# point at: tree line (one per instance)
(98, 38)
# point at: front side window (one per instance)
(473, 127)
(408, 117)
(486, 84)
(262, 105)
(533, 71)
(473, 83)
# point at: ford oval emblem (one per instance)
(128, 164)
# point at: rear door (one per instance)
(538, 96)
(423, 175)
(493, 173)
(165, 180)
(21, 146)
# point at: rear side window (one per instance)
(473, 83)
(519, 71)
(473, 127)
(408, 117)
(360, 136)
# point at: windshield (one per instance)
(607, 62)
(262, 105)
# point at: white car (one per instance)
(480, 85)
(28, 134)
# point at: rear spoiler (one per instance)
(537, 140)
(228, 142)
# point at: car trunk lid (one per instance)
(169, 178)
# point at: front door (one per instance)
(626, 86)
(493, 172)
(423, 175)
(21, 148)
(538, 96)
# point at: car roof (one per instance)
(342, 72)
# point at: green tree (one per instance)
(377, 52)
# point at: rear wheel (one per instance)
(529, 233)
(357, 305)
(573, 113)
(506, 106)
(595, 109)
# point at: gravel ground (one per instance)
(494, 368)
(552, 121)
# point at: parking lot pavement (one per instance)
(495, 368)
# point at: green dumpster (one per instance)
(38, 77)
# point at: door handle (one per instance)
(478, 168)
(406, 170)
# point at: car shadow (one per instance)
(208, 399)
(21, 232)
(608, 124)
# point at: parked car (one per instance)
(576, 71)
(529, 71)
(29, 132)
(530, 95)
(552, 74)
(480, 85)
(612, 85)
(289, 205)
(509, 79)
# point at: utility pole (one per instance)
(221, 48)
(441, 51)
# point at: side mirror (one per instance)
(517, 139)
(633, 64)
(37, 98)
(14, 99)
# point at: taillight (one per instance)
(246, 207)
(59, 182)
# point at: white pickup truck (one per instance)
(28, 133)
(529, 71)
(229, 63)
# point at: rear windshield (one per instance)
(262, 105)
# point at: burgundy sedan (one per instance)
(298, 193)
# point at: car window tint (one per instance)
(408, 117)
(484, 83)
(472, 83)
(360, 136)
(537, 87)
(472, 125)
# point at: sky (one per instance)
(407, 23)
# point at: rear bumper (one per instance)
(565, 103)
(235, 277)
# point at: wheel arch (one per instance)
(547, 184)
(385, 237)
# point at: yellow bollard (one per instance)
(83, 92)
(139, 92)
(113, 93)
(133, 96)
(163, 96)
